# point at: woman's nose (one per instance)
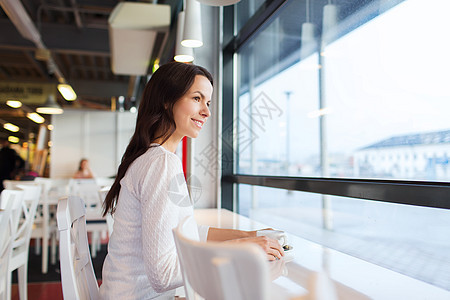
(205, 111)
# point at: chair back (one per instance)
(31, 196)
(109, 218)
(88, 190)
(77, 273)
(220, 271)
(11, 205)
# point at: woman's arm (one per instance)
(221, 235)
(270, 246)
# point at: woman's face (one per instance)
(84, 164)
(191, 111)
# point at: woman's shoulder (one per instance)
(157, 155)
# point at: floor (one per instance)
(48, 286)
(40, 291)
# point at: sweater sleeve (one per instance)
(159, 215)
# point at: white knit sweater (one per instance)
(142, 259)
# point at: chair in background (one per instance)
(21, 243)
(109, 218)
(77, 273)
(104, 181)
(5, 246)
(43, 226)
(88, 190)
(59, 188)
(220, 271)
(11, 205)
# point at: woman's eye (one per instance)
(197, 98)
(208, 104)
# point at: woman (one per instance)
(83, 170)
(142, 259)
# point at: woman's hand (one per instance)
(270, 246)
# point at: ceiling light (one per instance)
(11, 127)
(192, 33)
(14, 103)
(35, 117)
(50, 107)
(13, 139)
(219, 2)
(67, 92)
(329, 22)
(182, 54)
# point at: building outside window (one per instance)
(353, 94)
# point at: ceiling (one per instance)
(76, 34)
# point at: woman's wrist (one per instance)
(251, 233)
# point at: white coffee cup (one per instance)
(278, 235)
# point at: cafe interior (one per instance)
(329, 124)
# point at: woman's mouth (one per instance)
(198, 123)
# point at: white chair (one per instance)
(109, 218)
(220, 271)
(43, 227)
(21, 243)
(5, 247)
(88, 190)
(77, 273)
(11, 205)
(56, 188)
(104, 181)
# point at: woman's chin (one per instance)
(193, 135)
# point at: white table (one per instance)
(352, 278)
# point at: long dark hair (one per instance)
(155, 116)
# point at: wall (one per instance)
(100, 136)
(203, 152)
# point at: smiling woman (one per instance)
(145, 198)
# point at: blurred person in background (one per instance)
(83, 170)
(10, 163)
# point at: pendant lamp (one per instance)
(182, 54)
(308, 35)
(329, 23)
(308, 39)
(219, 2)
(192, 33)
(50, 107)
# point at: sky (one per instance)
(386, 78)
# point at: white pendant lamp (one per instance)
(192, 33)
(182, 54)
(219, 2)
(308, 40)
(329, 22)
(50, 107)
(308, 37)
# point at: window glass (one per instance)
(357, 102)
(244, 10)
(408, 239)
(358, 94)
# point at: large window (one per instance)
(347, 90)
(380, 91)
